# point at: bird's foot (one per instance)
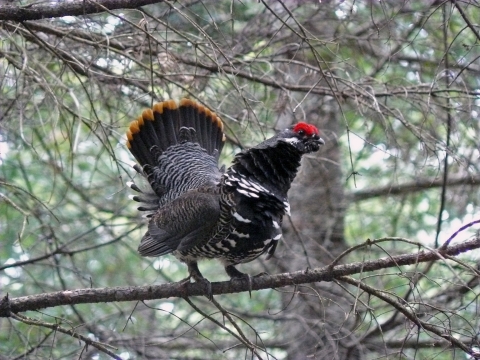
(208, 287)
(236, 274)
(196, 275)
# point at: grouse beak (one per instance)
(313, 143)
(318, 140)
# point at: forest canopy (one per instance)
(379, 257)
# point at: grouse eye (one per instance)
(301, 133)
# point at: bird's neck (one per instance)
(273, 166)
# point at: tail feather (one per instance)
(207, 129)
(147, 199)
(161, 126)
(166, 113)
(188, 113)
(145, 123)
(202, 128)
(137, 144)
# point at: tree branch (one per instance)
(77, 8)
(409, 314)
(471, 26)
(56, 327)
(412, 187)
(163, 291)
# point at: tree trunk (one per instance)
(313, 238)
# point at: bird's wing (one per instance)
(182, 224)
(181, 168)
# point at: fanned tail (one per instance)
(168, 141)
(159, 128)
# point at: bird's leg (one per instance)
(234, 273)
(195, 273)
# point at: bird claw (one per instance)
(198, 277)
(202, 280)
(249, 277)
(236, 274)
(185, 281)
(245, 277)
(249, 286)
(208, 287)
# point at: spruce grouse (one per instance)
(197, 210)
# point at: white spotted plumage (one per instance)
(239, 217)
(197, 210)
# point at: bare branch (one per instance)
(471, 26)
(164, 291)
(411, 187)
(59, 9)
(73, 333)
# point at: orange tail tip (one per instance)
(165, 105)
(147, 114)
(160, 125)
(203, 110)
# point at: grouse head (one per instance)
(304, 137)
